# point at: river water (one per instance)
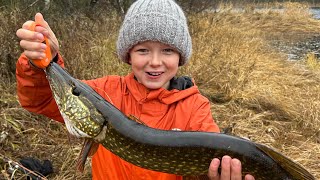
(298, 50)
(315, 11)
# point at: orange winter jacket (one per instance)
(163, 109)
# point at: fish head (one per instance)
(75, 102)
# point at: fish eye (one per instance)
(75, 91)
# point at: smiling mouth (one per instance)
(154, 73)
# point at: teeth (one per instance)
(154, 73)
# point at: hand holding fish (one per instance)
(230, 169)
(31, 41)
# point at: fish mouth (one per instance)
(64, 87)
(63, 81)
(58, 77)
(60, 83)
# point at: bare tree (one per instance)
(196, 6)
(46, 4)
(121, 5)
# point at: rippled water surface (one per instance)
(316, 12)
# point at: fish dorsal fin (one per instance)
(294, 169)
(132, 117)
(88, 149)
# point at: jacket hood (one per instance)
(180, 88)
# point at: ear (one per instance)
(129, 59)
(180, 58)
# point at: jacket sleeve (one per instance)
(33, 90)
(201, 119)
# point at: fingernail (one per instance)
(42, 55)
(226, 158)
(216, 162)
(236, 162)
(40, 36)
(249, 177)
(43, 46)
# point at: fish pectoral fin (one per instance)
(93, 149)
(295, 169)
(88, 149)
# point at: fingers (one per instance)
(27, 25)
(249, 177)
(31, 40)
(32, 44)
(236, 169)
(230, 169)
(40, 20)
(31, 35)
(226, 167)
(213, 172)
(28, 35)
(33, 50)
(44, 27)
(48, 33)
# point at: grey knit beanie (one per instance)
(155, 20)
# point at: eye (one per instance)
(168, 50)
(75, 91)
(142, 51)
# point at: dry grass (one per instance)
(312, 61)
(252, 87)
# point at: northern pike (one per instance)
(89, 115)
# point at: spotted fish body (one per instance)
(80, 116)
(177, 152)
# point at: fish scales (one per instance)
(87, 114)
(80, 113)
(187, 160)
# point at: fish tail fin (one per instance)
(88, 149)
(296, 170)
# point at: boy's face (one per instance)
(154, 64)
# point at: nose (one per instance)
(155, 59)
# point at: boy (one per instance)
(154, 39)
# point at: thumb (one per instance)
(40, 20)
(48, 33)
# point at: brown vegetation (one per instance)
(254, 90)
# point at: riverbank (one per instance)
(299, 50)
(287, 34)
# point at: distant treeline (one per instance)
(121, 6)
